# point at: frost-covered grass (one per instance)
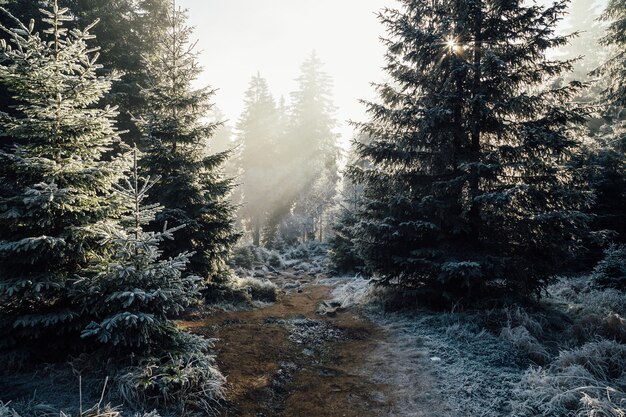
(42, 410)
(258, 290)
(306, 258)
(586, 381)
(190, 383)
(185, 382)
(240, 293)
(33, 408)
(562, 357)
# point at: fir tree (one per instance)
(583, 19)
(284, 191)
(605, 158)
(54, 174)
(613, 72)
(128, 30)
(469, 192)
(132, 295)
(192, 188)
(603, 161)
(311, 151)
(343, 250)
(258, 132)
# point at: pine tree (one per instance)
(311, 151)
(258, 132)
(283, 193)
(192, 188)
(128, 30)
(132, 295)
(613, 71)
(605, 158)
(24, 11)
(343, 250)
(583, 19)
(469, 192)
(55, 172)
(603, 161)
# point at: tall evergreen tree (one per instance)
(258, 133)
(605, 160)
(128, 30)
(285, 190)
(311, 152)
(54, 173)
(192, 188)
(469, 191)
(582, 18)
(614, 70)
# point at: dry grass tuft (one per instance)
(581, 382)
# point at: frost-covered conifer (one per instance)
(343, 250)
(310, 152)
(56, 170)
(258, 132)
(613, 71)
(468, 190)
(127, 30)
(132, 294)
(192, 190)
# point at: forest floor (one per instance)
(328, 347)
(290, 359)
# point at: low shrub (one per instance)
(244, 257)
(186, 380)
(526, 343)
(611, 270)
(258, 290)
(275, 260)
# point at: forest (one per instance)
(459, 250)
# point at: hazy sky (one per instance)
(237, 38)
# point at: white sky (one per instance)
(237, 38)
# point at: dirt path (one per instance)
(285, 360)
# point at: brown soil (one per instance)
(271, 374)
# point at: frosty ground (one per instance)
(560, 357)
(313, 344)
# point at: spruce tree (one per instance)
(193, 190)
(469, 191)
(273, 234)
(582, 18)
(132, 294)
(55, 172)
(603, 162)
(311, 151)
(343, 250)
(613, 72)
(258, 132)
(128, 30)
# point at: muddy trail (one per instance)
(286, 360)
